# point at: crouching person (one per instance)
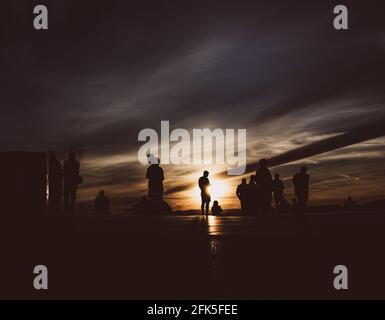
(216, 208)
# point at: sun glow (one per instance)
(218, 190)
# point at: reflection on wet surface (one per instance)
(195, 225)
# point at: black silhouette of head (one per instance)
(263, 163)
(303, 169)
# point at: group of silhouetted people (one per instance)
(67, 178)
(61, 178)
(155, 178)
(204, 184)
(256, 196)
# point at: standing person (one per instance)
(204, 184)
(72, 179)
(242, 195)
(264, 182)
(252, 196)
(102, 204)
(278, 191)
(55, 183)
(155, 176)
(301, 187)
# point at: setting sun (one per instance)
(219, 190)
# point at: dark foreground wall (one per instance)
(23, 181)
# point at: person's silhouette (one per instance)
(263, 180)
(278, 187)
(102, 204)
(216, 208)
(301, 187)
(155, 178)
(252, 196)
(55, 183)
(204, 184)
(242, 194)
(71, 181)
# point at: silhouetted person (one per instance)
(55, 183)
(71, 181)
(242, 194)
(301, 187)
(155, 178)
(204, 184)
(216, 208)
(278, 191)
(252, 196)
(264, 181)
(102, 204)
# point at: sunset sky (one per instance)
(104, 70)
